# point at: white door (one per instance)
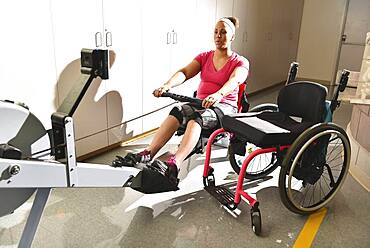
(224, 8)
(281, 12)
(240, 11)
(77, 25)
(252, 42)
(123, 36)
(205, 23)
(354, 35)
(157, 37)
(184, 45)
(27, 65)
(295, 18)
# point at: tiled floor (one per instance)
(190, 217)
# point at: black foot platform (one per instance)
(150, 181)
(223, 195)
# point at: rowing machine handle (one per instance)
(194, 101)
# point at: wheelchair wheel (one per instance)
(265, 107)
(259, 167)
(256, 221)
(314, 168)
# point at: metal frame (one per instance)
(44, 175)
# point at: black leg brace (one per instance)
(188, 113)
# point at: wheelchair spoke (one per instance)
(260, 166)
(336, 156)
(329, 156)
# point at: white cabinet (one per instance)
(295, 15)
(251, 41)
(205, 24)
(123, 28)
(240, 11)
(272, 40)
(27, 65)
(224, 8)
(158, 36)
(77, 25)
(167, 39)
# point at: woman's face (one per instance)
(223, 35)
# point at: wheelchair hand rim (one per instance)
(343, 174)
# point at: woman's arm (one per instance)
(238, 76)
(179, 77)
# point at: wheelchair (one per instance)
(295, 135)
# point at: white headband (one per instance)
(229, 23)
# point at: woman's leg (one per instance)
(189, 141)
(164, 134)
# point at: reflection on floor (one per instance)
(190, 217)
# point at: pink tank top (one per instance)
(213, 80)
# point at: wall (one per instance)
(319, 40)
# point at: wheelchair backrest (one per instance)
(303, 99)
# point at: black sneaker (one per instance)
(132, 159)
(167, 169)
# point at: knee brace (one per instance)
(176, 112)
(197, 118)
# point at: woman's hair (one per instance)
(234, 20)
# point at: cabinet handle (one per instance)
(98, 39)
(245, 36)
(108, 39)
(168, 38)
(174, 37)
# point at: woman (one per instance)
(222, 70)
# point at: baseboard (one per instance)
(115, 145)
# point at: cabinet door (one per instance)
(252, 42)
(280, 47)
(240, 11)
(296, 11)
(123, 34)
(75, 25)
(205, 24)
(156, 49)
(27, 65)
(224, 8)
(184, 46)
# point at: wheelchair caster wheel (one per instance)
(256, 221)
(210, 179)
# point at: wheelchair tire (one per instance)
(265, 107)
(259, 167)
(256, 170)
(322, 150)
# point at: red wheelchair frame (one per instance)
(315, 136)
(239, 188)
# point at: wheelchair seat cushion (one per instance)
(265, 129)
